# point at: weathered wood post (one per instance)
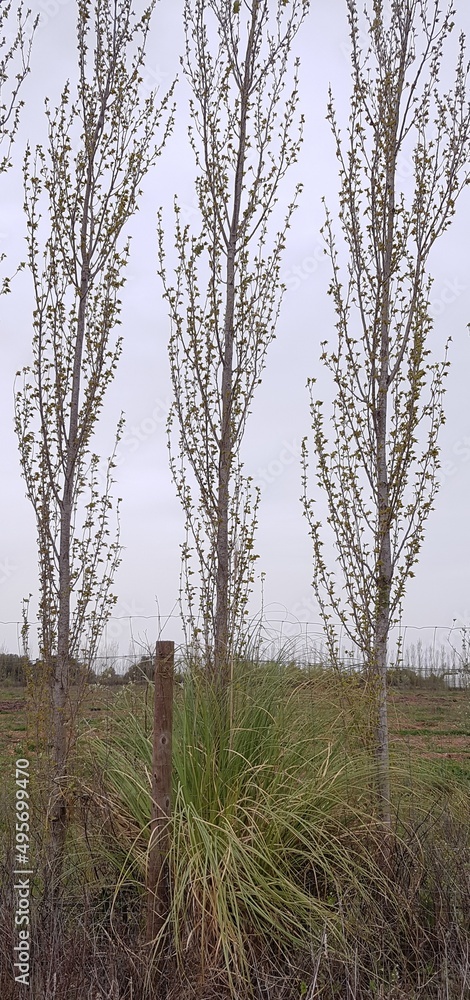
(158, 894)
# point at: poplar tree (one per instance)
(80, 192)
(377, 456)
(225, 299)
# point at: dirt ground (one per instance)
(437, 723)
(434, 722)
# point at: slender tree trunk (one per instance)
(384, 564)
(225, 468)
(380, 686)
(383, 591)
(61, 681)
(226, 449)
(158, 881)
(59, 701)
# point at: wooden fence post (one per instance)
(158, 889)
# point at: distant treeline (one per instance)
(15, 669)
(418, 670)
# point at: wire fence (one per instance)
(415, 651)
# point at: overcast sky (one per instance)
(151, 522)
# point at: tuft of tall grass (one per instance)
(273, 846)
(282, 883)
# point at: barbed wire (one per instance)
(286, 621)
(275, 634)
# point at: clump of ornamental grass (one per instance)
(280, 871)
(274, 850)
(281, 879)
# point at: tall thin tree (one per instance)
(225, 301)
(78, 274)
(379, 474)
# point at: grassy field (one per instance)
(280, 878)
(433, 723)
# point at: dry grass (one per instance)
(281, 888)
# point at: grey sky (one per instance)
(151, 523)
